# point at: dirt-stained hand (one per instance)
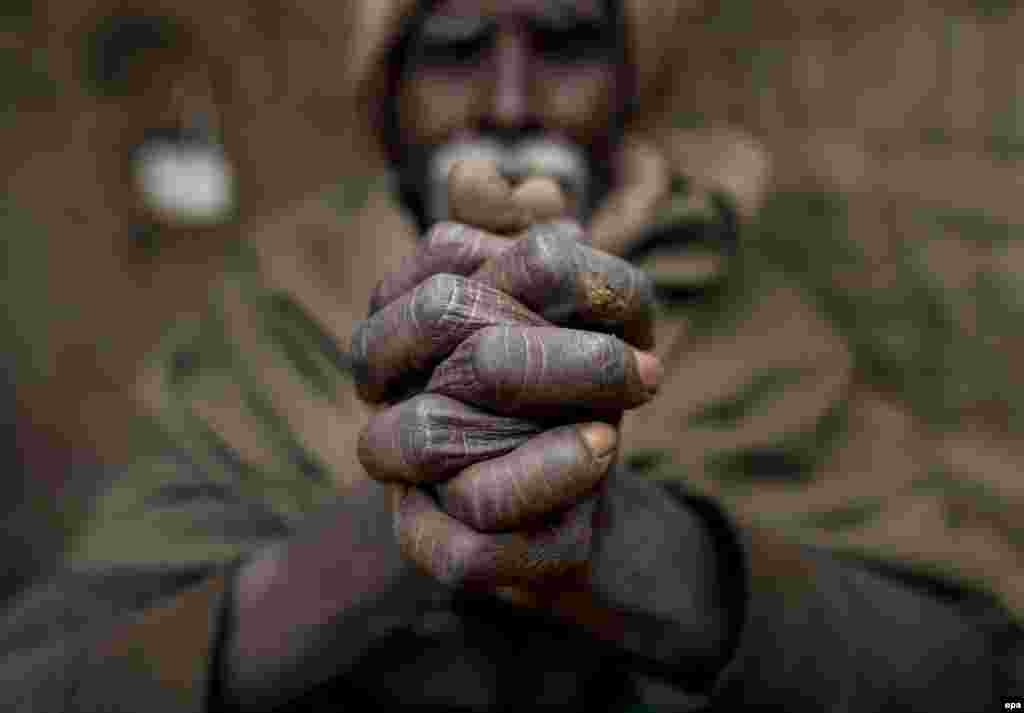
(504, 364)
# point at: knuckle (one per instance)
(411, 433)
(456, 246)
(472, 504)
(433, 550)
(442, 237)
(418, 438)
(359, 352)
(452, 559)
(551, 254)
(438, 436)
(468, 560)
(435, 300)
(499, 354)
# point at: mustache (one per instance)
(562, 161)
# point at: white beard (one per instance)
(563, 161)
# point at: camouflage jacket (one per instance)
(136, 617)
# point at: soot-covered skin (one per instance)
(555, 472)
(454, 248)
(430, 437)
(545, 372)
(459, 555)
(504, 365)
(555, 274)
(406, 338)
(419, 316)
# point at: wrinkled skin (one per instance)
(504, 349)
(481, 349)
(500, 357)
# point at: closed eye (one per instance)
(578, 41)
(445, 40)
(459, 52)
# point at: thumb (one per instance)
(479, 196)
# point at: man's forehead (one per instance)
(589, 9)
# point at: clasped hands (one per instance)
(502, 353)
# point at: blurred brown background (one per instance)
(890, 246)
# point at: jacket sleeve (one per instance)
(815, 630)
(114, 641)
(130, 622)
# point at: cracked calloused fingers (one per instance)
(547, 473)
(397, 347)
(570, 284)
(454, 248)
(458, 555)
(431, 437)
(550, 270)
(547, 373)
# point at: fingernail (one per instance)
(600, 438)
(650, 370)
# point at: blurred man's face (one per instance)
(537, 85)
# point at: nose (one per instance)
(510, 108)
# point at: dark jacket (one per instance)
(136, 619)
